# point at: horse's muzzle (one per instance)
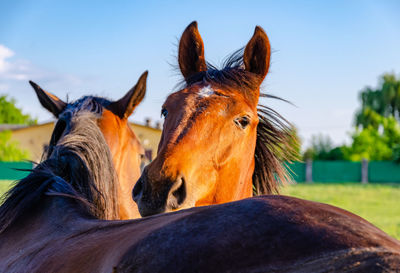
(154, 197)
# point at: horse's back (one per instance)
(265, 234)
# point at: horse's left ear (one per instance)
(257, 54)
(48, 100)
(191, 52)
(124, 107)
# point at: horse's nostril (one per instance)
(137, 189)
(180, 192)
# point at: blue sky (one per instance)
(324, 53)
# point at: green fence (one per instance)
(336, 171)
(297, 171)
(322, 171)
(383, 171)
(346, 171)
(12, 170)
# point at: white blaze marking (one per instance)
(206, 91)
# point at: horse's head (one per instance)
(125, 147)
(207, 149)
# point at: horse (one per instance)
(49, 223)
(112, 120)
(217, 145)
(55, 220)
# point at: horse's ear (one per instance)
(191, 52)
(257, 54)
(48, 100)
(125, 106)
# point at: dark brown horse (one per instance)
(218, 145)
(112, 119)
(48, 225)
(51, 221)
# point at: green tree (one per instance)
(377, 132)
(385, 100)
(9, 150)
(294, 143)
(322, 148)
(10, 114)
(379, 140)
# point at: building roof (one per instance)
(4, 127)
(17, 127)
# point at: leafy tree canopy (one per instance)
(295, 143)
(377, 132)
(379, 140)
(10, 114)
(384, 101)
(322, 148)
(10, 150)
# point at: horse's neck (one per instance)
(235, 185)
(33, 232)
(57, 238)
(43, 223)
(126, 181)
(37, 235)
(231, 185)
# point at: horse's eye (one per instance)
(242, 122)
(164, 112)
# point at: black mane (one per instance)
(276, 143)
(90, 104)
(78, 165)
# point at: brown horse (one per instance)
(51, 222)
(216, 146)
(125, 147)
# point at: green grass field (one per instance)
(378, 203)
(4, 186)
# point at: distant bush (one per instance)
(10, 150)
(322, 148)
(11, 114)
(379, 140)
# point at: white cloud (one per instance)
(5, 53)
(11, 69)
(15, 73)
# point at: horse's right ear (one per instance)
(124, 106)
(257, 54)
(48, 100)
(191, 52)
